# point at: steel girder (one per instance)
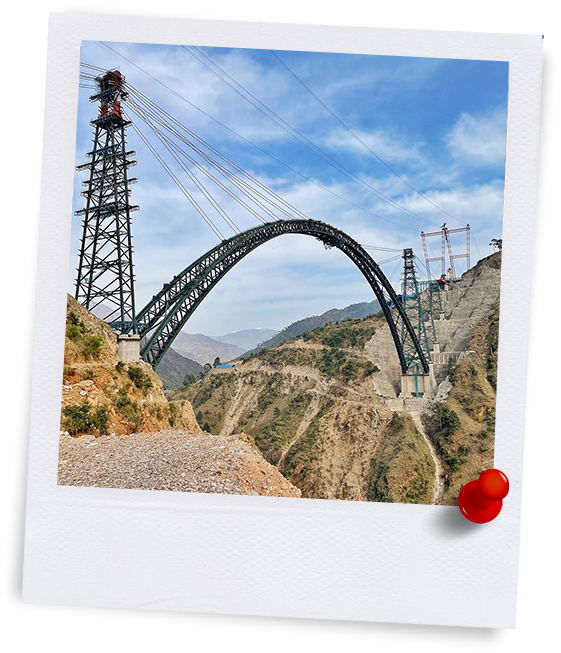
(162, 319)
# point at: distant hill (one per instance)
(173, 368)
(205, 349)
(247, 338)
(308, 323)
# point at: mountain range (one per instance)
(204, 349)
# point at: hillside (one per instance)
(204, 349)
(324, 406)
(311, 409)
(102, 395)
(118, 429)
(462, 426)
(173, 367)
(247, 338)
(335, 315)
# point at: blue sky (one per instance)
(441, 124)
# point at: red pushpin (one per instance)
(481, 501)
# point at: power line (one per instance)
(360, 140)
(268, 154)
(298, 136)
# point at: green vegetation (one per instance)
(302, 451)
(173, 413)
(76, 331)
(449, 421)
(332, 362)
(129, 409)
(396, 423)
(492, 341)
(403, 469)
(80, 418)
(351, 333)
(139, 377)
(273, 432)
(188, 380)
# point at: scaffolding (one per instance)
(446, 247)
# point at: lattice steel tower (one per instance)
(411, 302)
(105, 268)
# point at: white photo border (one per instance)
(271, 556)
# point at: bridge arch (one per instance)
(162, 319)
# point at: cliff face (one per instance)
(102, 395)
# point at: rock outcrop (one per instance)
(118, 429)
(102, 395)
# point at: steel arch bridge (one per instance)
(162, 319)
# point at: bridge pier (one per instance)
(129, 347)
(416, 384)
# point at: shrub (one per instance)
(139, 377)
(129, 409)
(91, 346)
(396, 423)
(451, 369)
(206, 427)
(101, 420)
(449, 420)
(173, 413)
(455, 462)
(79, 418)
(74, 326)
(188, 380)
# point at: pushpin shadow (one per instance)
(449, 521)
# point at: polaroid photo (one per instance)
(282, 276)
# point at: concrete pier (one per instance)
(415, 385)
(129, 347)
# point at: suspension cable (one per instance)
(236, 181)
(245, 140)
(360, 140)
(179, 184)
(298, 136)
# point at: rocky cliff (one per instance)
(102, 395)
(119, 430)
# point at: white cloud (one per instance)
(481, 202)
(479, 140)
(387, 146)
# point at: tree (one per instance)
(496, 244)
(206, 368)
(188, 379)
(216, 362)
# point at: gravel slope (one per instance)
(170, 460)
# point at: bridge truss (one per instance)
(105, 271)
(162, 319)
